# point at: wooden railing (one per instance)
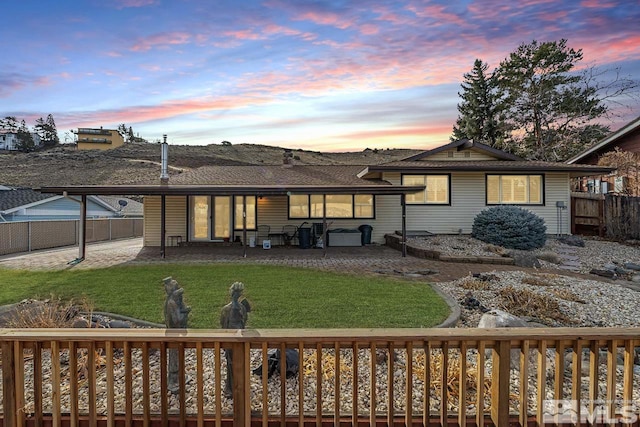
(354, 377)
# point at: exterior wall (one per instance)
(468, 199)
(105, 139)
(61, 208)
(629, 142)
(9, 141)
(175, 221)
(460, 155)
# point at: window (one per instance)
(251, 213)
(303, 206)
(436, 189)
(514, 189)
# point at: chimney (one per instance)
(164, 158)
(287, 158)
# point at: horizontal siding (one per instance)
(175, 221)
(459, 155)
(468, 199)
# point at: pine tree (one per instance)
(9, 124)
(546, 102)
(52, 136)
(479, 117)
(25, 139)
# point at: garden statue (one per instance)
(233, 316)
(176, 315)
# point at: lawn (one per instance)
(281, 297)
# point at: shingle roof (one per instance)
(608, 141)
(10, 199)
(309, 175)
(489, 166)
(133, 207)
(465, 144)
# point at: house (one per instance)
(25, 204)
(98, 139)
(439, 190)
(9, 141)
(626, 180)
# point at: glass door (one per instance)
(200, 216)
(222, 217)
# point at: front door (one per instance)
(210, 218)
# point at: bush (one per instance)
(511, 227)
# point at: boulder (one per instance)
(525, 259)
(631, 266)
(572, 241)
(603, 273)
(500, 319)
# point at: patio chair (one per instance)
(289, 233)
(262, 233)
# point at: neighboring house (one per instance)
(626, 140)
(9, 141)
(98, 139)
(440, 190)
(24, 204)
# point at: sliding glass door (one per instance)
(210, 218)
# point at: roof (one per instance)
(489, 166)
(607, 141)
(13, 198)
(465, 144)
(132, 208)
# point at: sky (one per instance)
(320, 75)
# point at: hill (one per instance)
(140, 163)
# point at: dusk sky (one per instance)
(320, 75)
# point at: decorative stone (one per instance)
(635, 278)
(603, 273)
(572, 241)
(631, 266)
(525, 259)
(500, 319)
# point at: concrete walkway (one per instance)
(374, 259)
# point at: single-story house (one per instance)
(25, 204)
(439, 191)
(625, 180)
(9, 140)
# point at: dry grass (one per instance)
(498, 250)
(567, 295)
(51, 313)
(528, 303)
(472, 283)
(537, 281)
(551, 257)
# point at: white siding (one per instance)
(468, 199)
(175, 220)
(459, 156)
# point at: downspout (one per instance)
(80, 258)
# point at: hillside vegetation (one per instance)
(140, 163)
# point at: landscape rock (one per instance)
(603, 273)
(635, 278)
(572, 241)
(525, 259)
(631, 266)
(500, 319)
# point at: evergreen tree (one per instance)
(52, 131)
(547, 104)
(25, 139)
(479, 117)
(9, 124)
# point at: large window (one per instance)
(251, 212)
(436, 190)
(303, 206)
(515, 189)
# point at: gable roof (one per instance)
(133, 207)
(13, 198)
(465, 144)
(607, 141)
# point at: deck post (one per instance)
(8, 383)
(500, 370)
(82, 241)
(241, 387)
(163, 221)
(244, 226)
(403, 202)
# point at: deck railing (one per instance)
(346, 377)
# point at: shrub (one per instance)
(511, 227)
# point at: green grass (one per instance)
(281, 297)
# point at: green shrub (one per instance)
(511, 227)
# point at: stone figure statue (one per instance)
(176, 315)
(233, 316)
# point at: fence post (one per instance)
(500, 375)
(8, 383)
(241, 387)
(29, 235)
(110, 219)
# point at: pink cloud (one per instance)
(438, 14)
(596, 4)
(324, 18)
(161, 40)
(369, 29)
(12, 82)
(243, 35)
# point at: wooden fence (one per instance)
(346, 377)
(614, 216)
(33, 235)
